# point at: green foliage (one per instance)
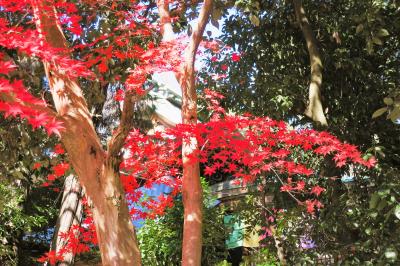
(16, 220)
(160, 240)
(392, 102)
(261, 257)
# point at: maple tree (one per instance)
(241, 146)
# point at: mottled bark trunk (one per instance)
(191, 185)
(97, 172)
(115, 231)
(314, 109)
(70, 214)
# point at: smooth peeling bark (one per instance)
(98, 173)
(314, 109)
(191, 185)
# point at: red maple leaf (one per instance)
(300, 185)
(317, 190)
(209, 170)
(13, 110)
(39, 120)
(58, 149)
(51, 177)
(60, 169)
(36, 166)
(51, 257)
(235, 57)
(54, 127)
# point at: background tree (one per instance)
(359, 51)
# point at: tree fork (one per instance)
(191, 185)
(95, 169)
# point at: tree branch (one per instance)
(126, 123)
(314, 109)
(290, 193)
(191, 185)
(7, 97)
(165, 20)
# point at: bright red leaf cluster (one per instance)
(244, 147)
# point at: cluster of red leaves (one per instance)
(68, 16)
(26, 41)
(15, 99)
(244, 147)
(120, 45)
(20, 103)
(221, 57)
(15, 5)
(51, 257)
(57, 170)
(149, 160)
(162, 58)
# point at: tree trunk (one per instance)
(97, 171)
(70, 214)
(277, 240)
(278, 245)
(191, 185)
(314, 109)
(115, 231)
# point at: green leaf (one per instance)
(397, 211)
(391, 254)
(370, 46)
(359, 28)
(394, 114)
(377, 41)
(379, 112)
(382, 33)
(254, 20)
(388, 101)
(374, 201)
(382, 204)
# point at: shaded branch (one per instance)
(126, 123)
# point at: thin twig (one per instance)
(290, 193)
